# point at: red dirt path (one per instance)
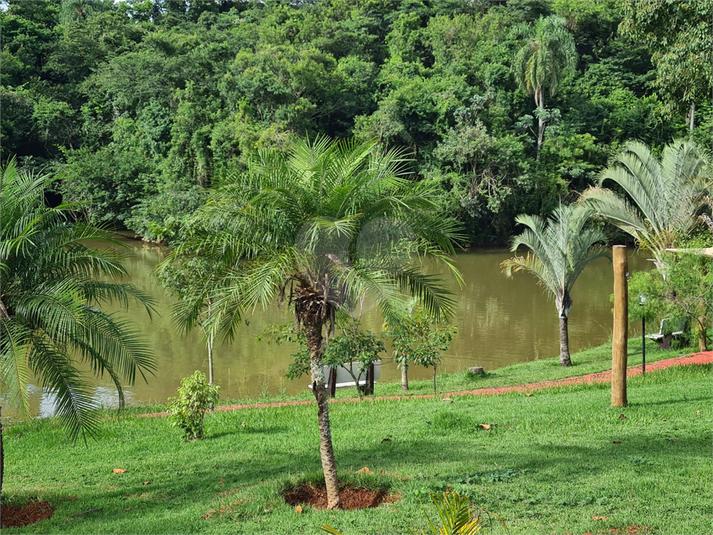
(705, 357)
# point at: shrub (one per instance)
(195, 397)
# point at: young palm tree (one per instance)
(667, 194)
(52, 287)
(323, 226)
(559, 250)
(543, 62)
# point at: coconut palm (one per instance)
(559, 250)
(665, 196)
(52, 287)
(547, 57)
(324, 226)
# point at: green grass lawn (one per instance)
(554, 462)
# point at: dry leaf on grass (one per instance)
(364, 470)
(298, 509)
(119, 470)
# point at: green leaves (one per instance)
(51, 301)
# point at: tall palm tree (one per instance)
(547, 57)
(323, 226)
(559, 250)
(665, 196)
(53, 285)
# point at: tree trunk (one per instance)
(2, 459)
(313, 331)
(435, 366)
(210, 359)
(540, 121)
(564, 342)
(692, 115)
(702, 341)
(404, 376)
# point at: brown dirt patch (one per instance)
(352, 498)
(33, 512)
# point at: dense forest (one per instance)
(141, 106)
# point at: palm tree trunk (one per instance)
(313, 331)
(404, 376)
(2, 457)
(540, 100)
(564, 342)
(209, 343)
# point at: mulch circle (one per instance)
(352, 498)
(33, 512)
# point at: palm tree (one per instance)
(667, 194)
(52, 287)
(323, 226)
(559, 250)
(547, 57)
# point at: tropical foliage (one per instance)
(664, 196)
(146, 104)
(53, 285)
(559, 249)
(324, 225)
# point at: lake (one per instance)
(500, 322)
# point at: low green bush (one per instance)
(195, 396)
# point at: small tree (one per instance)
(195, 397)
(352, 346)
(684, 293)
(559, 250)
(419, 339)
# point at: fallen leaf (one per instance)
(448, 399)
(484, 426)
(364, 470)
(697, 412)
(622, 417)
(602, 518)
(119, 470)
(127, 510)
(298, 509)
(243, 424)
(617, 441)
(528, 395)
(147, 482)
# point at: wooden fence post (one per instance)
(621, 327)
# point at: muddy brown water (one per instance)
(500, 322)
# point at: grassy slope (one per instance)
(549, 466)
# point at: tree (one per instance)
(666, 193)
(322, 226)
(559, 250)
(684, 293)
(678, 35)
(417, 339)
(543, 62)
(53, 286)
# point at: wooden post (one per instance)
(621, 324)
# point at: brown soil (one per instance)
(33, 512)
(352, 498)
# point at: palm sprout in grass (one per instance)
(663, 196)
(321, 227)
(53, 286)
(558, 251)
